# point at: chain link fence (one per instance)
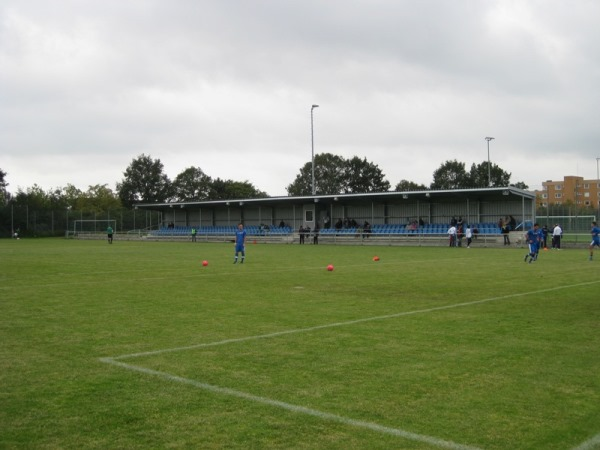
(39, 222)
(30, 222)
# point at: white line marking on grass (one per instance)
(589, 444)
(294, 408)
(350, 322)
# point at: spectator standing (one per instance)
(459, 235)
(556, 237)
(452, 236)
(505, 233)
(194, 234)
(545, 236)
(367, 228)
(469, 235)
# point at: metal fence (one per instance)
(38, 222)
(29, 222)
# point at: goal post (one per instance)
(93, 226)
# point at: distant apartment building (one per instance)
(571, 190)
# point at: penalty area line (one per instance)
(349, 322)
(441, 443)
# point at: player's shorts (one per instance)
(595, 242)
(533, 248)
(239, 247)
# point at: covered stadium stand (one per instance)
(427, 212)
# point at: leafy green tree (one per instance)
(229, 189)
(450, 175)
(520, 185)
(144, 181)
(405, 185)
(329, 176)
(71, 195)
(98, 198)
(478, 176)
(192, 184)
(3, 186)
(57, 199)
(363, 176)
(33, 197)
(336, 175)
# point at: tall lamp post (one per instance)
(488, 139)
(312, 143)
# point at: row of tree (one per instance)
(145, 181)
(336, 175)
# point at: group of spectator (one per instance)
(303, 232)
(361, 230)
(414, 224)
(365, 230)
(346, 223)
(458, 231)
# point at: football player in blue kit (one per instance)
(533, 239)
(240, 241)
(595, 239)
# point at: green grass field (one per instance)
(136, 345)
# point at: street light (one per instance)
(312, 143)
(488, 139)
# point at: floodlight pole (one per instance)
(312, 143)
(488, 139)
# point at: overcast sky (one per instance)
(227, 86)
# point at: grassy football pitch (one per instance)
(137, 345)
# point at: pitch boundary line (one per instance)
(590, 444)
(346, 323)
(293, 408)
